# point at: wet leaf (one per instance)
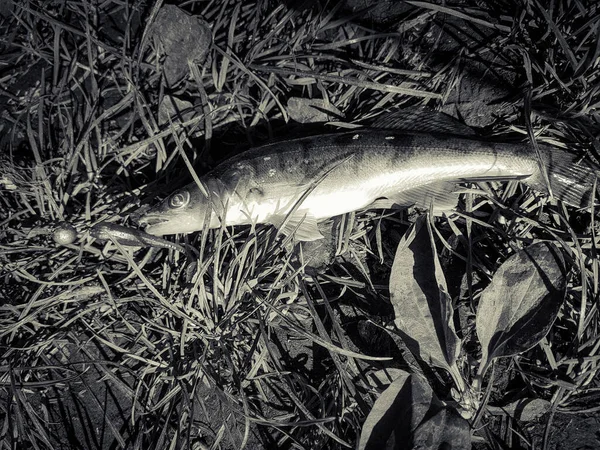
(521, 303)
(397, 412)
(422, 306)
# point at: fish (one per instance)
(409, 158)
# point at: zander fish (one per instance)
(400, 162)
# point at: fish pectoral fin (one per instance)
(422, 120)
(441, 197)
(300, 224)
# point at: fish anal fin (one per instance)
(300, 224)
(422, 120)
(381, 203)
(487, 178)
(441, 197)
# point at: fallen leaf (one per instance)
(521, 303)
(312, 110)
(173, 109)
(183, 38)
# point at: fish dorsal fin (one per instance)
(301, 224)
(422, 120)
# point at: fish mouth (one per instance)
(145, 221)
(150, 221)
(158, 228)
(160, 224)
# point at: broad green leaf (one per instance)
(397, 412)
(422, 306)
(445, 430)
(408, 415)
(521, 303)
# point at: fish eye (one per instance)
(179, 200)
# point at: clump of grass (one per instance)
(237, 344)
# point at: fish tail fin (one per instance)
(572, 179)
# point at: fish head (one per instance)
(186, 210)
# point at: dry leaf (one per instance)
(312, 110)
(173, 109)
(183, 38)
